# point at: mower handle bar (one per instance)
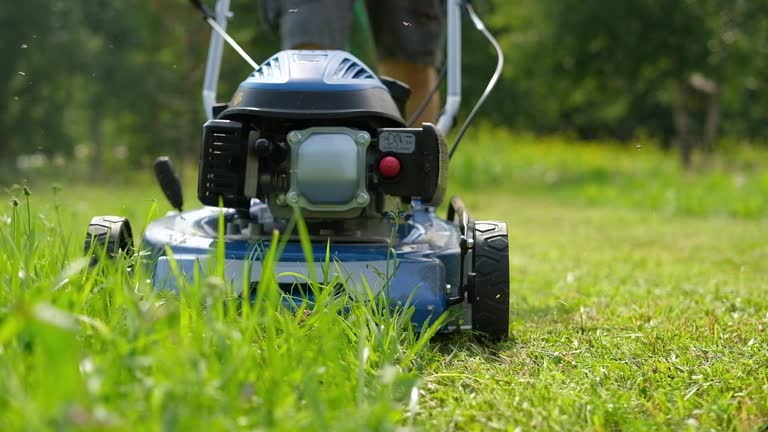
(215, 52)
(453, 61)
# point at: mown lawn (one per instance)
(622, 320)
(639, 303)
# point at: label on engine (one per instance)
(397, 142)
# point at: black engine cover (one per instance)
(222, 165)
(296, 84)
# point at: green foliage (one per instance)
(610, 68)
(119, 80)
(117, 83)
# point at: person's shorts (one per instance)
(407, 30)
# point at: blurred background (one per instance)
(96, 88)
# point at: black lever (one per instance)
(169, 181)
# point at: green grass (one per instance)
(94, 347)
(639, 303)
(622, 320)
(637, 175)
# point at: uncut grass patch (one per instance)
(95, 347)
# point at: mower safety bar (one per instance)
(215, 52)
(453, 65)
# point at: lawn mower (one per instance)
(319, 133)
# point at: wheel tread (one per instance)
(490, 305)
(113, 233)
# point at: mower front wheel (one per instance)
(109, 237)
(489, 292)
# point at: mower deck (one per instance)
(419, 267)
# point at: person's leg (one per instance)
(421, 79)
(310, 24)
(408, 35)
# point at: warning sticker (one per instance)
(397, 142)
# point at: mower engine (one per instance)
(319, 131)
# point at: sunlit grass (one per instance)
(622, 320)
(638, 297)
(94, 347)
(732, 182)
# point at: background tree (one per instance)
(122, 79)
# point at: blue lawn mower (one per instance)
(317, 132)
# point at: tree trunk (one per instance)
(97, 157)
(712, 125)
(683, 127)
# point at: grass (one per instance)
(622, 320)
(639, 303)
(94, 348)
(635, 175)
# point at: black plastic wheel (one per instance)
(489, 293)
(112, 234)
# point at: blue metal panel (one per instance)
(424, 271)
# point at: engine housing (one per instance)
(311, 129)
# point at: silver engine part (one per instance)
(328, 172)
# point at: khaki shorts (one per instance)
(408, 30)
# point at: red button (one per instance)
(389, 166)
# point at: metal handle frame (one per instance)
(453, 62)
(215, 53)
